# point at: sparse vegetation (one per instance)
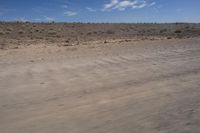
(89, 33)
(9, 29)
(105, 41)
(48, 32)
(53, 33)
(2, 33)
(21, 32)
(163, 31)
(110, 32)
(177, 31)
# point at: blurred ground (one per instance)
(117, 86)
(18, 35)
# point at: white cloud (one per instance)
(70, 13)
(90, 9)
(49, 18)
(138, 5)
(111, 4)
(124, 4)
(22, 19)
(37, 19)
(64, 6)
(152, 4)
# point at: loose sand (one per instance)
(115, 87)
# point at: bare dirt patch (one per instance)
(149, 86)
(99, 78)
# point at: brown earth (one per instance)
(17, 35)
(123, 85)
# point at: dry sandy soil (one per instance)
(121, 86)
(17, 35)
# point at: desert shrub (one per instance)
(52, 32)
(67, 41)
(110, 32)
(177, 31)
(169, 37)
(2, 33)
(105, 41)
(163, 30)
(39, 37)
(187, 27)
(148, 30)
(9, 29)
(89, 33)
(2, 45)
(142, 32)
(7, 32)
(20, 32)
(58, 36)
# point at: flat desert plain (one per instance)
(102, 82)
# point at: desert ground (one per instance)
(99, 78)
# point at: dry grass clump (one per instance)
(163, 31)
(37, 30)
(2, 33)
(89, 33)
(21, 32)
(105, 41)
(9, 29)
(68, 32)
(2, 45)
(177, 31)
(110, 32)
(52, 33)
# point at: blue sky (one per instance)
(100, 10)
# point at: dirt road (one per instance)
(132, 87)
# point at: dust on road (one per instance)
(143, 87)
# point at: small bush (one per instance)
(105, 41)
(9, 29)
(20, 32)
(110, 32)
(2, 46)
(89, 33)
(7, 32)
(177, 31)
(36, 30)
(163, 31)
(2, 33)
(187, 27)
(52, 32)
